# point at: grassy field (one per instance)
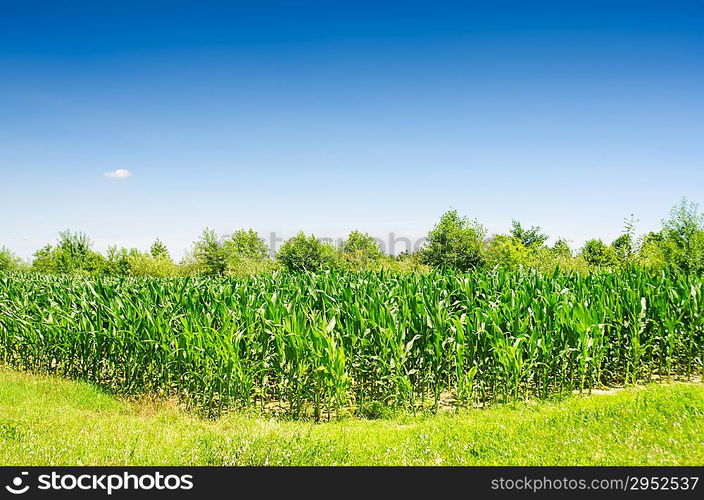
(48, 421)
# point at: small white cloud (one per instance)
(120, 173)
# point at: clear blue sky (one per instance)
(331, 116)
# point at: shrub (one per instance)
(8, 260)
(506, 251)
(530, 238)
(307, 253)
(246, 254)
(246, 243)
(404, 263)
(455, 243)
(159, 250)
(360, 251)
(596, 253)
(145, 264)
(210, 254)
(683, 237)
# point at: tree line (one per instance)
(456, 242)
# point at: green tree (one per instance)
(455, 242)
(529, 237)
(247, 254)
(246, 244)
(598, 254)
(651, 253)
(210, 253)
(8, 260)
(159, 251)
(360, 251)
(145, 264)
(71, 252)
(623, 248)
(307, 253)
(683, 237)
(506, 251)
(562, 249)
(43, 260)
(117, 260)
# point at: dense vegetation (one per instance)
(326, 342)
(328, 328)
(455, 243)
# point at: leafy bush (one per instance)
(360, 251)
(506, 251)
(8, 260)
(683, 237)
(209, 252)
(455, 243)
(246, 243)
(307, 253)
(404, 263)
(246, 254)
(598, 254)
(71, 255)
(145, 264)
(159, 250)
(530, 238)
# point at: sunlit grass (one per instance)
(45, 420)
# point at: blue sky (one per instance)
(332, 116)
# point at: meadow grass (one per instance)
(49, 421)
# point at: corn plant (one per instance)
(321, 344)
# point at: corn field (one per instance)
(312, 344)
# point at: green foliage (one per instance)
(210, 253)
(597, 254)
(506, 251)
(683, 237)
(43, 261)
(189, 265)
(623, 249)
(562, 249)
(652, 252)
(93, 263)
(117, 260)
(8, 260)
(530, 238)
(404, 263)
(323, 342)
(360, 251)
(146, 264)
(246, 243)
(71, 255)
(159, 251)
(455, 243)
(249, 266)
(72, 250)
(246, 254)
(558, 257)
(307, 253)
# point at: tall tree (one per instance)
(455, 242)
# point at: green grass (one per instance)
(48, 421)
